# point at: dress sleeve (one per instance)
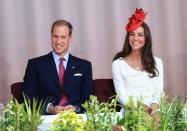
(158, 82)
(119, 83)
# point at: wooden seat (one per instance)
(103, 89)
(17, 91)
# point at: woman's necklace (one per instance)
(136, 64)
(137, 67)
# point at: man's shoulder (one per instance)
(79, 60)
(41, 58)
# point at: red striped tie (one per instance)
(64, 98)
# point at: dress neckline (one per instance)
(132, 68)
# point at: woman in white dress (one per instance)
(136, 72)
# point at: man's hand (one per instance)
(69, 107)
(55, 109)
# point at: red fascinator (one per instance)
(136, 20)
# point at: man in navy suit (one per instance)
(42, 81)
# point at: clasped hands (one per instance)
(56, 109)
(152, 108)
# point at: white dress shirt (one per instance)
(131, 82)
(57, 60)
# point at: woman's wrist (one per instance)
(154, 106)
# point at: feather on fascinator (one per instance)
(136, 20)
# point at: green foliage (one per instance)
(68, 121)
(22, 117)
(100, 116)
(136, 117)
(173, 114)
(15, 117)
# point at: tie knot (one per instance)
(62, 59)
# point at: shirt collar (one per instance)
(57, 57)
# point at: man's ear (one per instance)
(70, 38)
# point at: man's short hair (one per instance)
(61, 23)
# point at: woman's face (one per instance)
(137, 39)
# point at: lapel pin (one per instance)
(73, 67)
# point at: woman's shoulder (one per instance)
(119, 60)
(158, 60)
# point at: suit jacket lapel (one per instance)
(51, 67)
(71, 67)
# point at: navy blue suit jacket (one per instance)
(41, 80)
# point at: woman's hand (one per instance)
(154, 107)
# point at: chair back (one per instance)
(103, 89)
(17, 91)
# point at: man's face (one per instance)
(60, 39)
